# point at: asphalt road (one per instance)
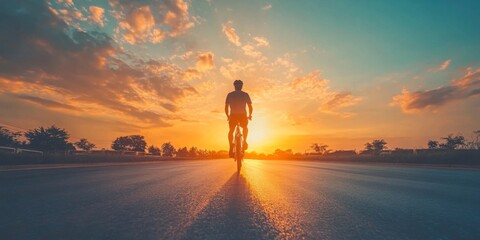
(268, 200)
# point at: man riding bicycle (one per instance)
(237, 101)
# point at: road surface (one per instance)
(268, 200)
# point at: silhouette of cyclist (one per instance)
(237, 101)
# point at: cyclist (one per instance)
(237, 101)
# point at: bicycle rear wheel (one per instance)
(238, 155)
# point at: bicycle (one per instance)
(238, 151)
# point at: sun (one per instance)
(258, 134)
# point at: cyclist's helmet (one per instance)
(237, 82)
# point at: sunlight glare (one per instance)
(258, 133)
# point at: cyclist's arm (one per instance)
(250, 110)
(226, 110)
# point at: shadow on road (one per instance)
(233, 213)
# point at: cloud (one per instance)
(444, 65)
(267, 7)
(339, 100)
(250, 50)
(47, 103)
(310, 81)
(66, 2)
(70, 15)
(286, 63)
(177, 17)
(462, 88)
(280, 82)
(42, 54)
(203, 64)
(226, 73)
(184, 57)
(205, 61)
(191, 73)
(97, 15)
(311, 95)
(262, 42)
(151, 21)
(139, 26)
(441, 67)
(231, 34)
(255, 74)
(227, 60)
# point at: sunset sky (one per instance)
(335, 72)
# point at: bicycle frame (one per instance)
(238, 147)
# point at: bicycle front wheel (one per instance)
(239, 164)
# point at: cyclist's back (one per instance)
(238, 100)
(235, 109)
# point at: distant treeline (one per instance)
(54, 142)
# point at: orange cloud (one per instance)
(191, 73)
(469, 80)
(205, 61)
(310, 81)
(462, 88)
(287, 64)
(151, 21)
(262, 42)
(70, 16)
(47, 103)
(226, 73)
(86, 70)
(203, 64)
(97, 15)
(250, 50)
(444, 65)
(66, 2)
(139, 25)
(177, 17)
(339, 100)
(231, 34)
(313, 92)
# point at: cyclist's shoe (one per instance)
(245, 145)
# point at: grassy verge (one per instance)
(21, 159)
(457, 157)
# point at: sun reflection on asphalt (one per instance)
(277, 204)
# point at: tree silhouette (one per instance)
(320, 148)
(432, 144)
(475, 143)
(168, 150)
(283, 153)
(154, 150)
(84, 144)
(376, 146)
(193, 152)
(130, 143)
(368, 147)
(453, 142)
(9, 138)
(49, 139)
(182, 152)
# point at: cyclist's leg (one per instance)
(244, 125)
(232, 123)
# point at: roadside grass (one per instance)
(456, 157)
